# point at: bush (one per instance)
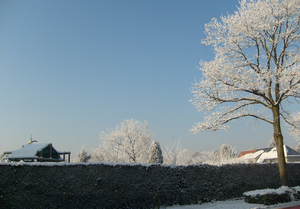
(270, 196)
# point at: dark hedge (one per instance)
(131, 185)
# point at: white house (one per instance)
(269, 155)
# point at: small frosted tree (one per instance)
(98, 155)
(256, 69)
(298, 147)
(171, 152)
(2, 157)
(295, 128)
(155, 153)
(225, 152)
(83, 156)
(272, 143)
(189, 157)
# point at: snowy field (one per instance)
(231, 204)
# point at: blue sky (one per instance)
(71, 69)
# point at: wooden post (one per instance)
(40, 155)
(116, 196)
(194, 199)
(1, 202)
(69, 157)
(157, 198)
(64, 200)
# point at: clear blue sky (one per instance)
(71, 69)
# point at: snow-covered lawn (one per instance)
(241, 204)
(237, 204)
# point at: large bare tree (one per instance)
(255, 71)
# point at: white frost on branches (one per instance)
(272, 143)
(256, 65)
(295, 128)
(171, 152)
(83, 156)
(3, 157)
(226, 152)
(128, 142)
(174, 154)
(155, 153)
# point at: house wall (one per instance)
(271, 161)
(293, 159)
(250, 161)
(289, 160)
(84, 185)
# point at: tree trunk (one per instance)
(280, 150)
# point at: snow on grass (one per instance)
(233, 204)
(241, 204)
(280, 190)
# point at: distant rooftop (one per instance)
(269, 153)
(37, 152)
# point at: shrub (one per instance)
(269, 196)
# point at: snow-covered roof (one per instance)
(252, 155)
(28, 151)
(288, 152)
(268, 154)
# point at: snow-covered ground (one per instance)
(233, 204)
(241, 204)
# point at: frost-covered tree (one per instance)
(295, 129)
(175, 154)
(128, 142)
(255, 71)
(155, 153)
(225, 152)
(190, 157)
(83, 156)
(298, 147)
(2, 157)
(272, 143)
(98, 155)
(171, 152)
(111, 148)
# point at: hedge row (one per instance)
(90, 185)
